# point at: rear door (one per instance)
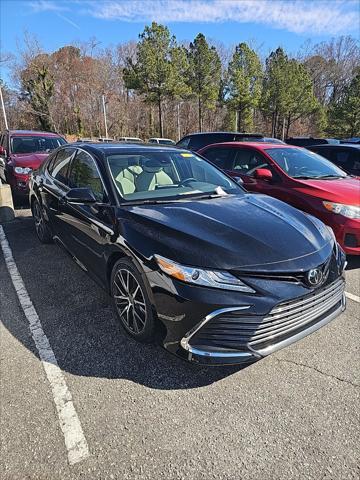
(54, 187)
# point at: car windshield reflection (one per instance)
(156, 176)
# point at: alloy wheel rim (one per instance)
(130, 301)
(39, 221)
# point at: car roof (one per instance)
(229, 133)
(33, 132)
(337, 145)
(118, 148)
(257, 145)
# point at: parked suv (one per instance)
(195, 141)
(22, 151)
(299, 177)
(345, 156)
(307, 141)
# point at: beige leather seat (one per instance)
(125, 179)
(152, 174)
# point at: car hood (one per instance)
(249, 232)
(32, 160)
(342, 190)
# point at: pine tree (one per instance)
(244, 87)
(204, 75)
(344, 115)
(160, 68)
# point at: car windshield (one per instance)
(301, 163)
(156, 176)
(36, 143)
(163, 141)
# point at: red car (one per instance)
(299, 177)
(22, 151)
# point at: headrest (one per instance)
(151, 165)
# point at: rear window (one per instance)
(199, 141)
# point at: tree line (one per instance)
(161, 87)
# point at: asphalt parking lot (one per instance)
(148, 415)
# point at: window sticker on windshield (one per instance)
(186, 154)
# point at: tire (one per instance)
(42, 230)
(129, 292)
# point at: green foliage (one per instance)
(38, 88)
(160, 69)
(344, 115)
(244, 87)
(287, 92)
(204, 74)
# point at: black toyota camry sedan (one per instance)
(190, 259)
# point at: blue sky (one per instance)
(269, 23)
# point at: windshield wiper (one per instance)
(331, 176)
(183, 198)
(303, 177)
(149, 202)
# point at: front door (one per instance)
(89, 226)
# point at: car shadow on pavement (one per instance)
(81, 325)
(353, 262)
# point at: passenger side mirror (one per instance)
(2, 151)
(263, 174)
(79, 196)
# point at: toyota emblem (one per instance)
(315, 277)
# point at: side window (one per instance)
(247, 161)
(324, 152)
(58, 168)
(184, 143)
(221, 157)
(84, 173)
(341, 158)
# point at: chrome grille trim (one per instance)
(240, 334)
(297, 314)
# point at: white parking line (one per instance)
(75, 441)
(353, 297)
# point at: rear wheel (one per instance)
(131, 300)
(42, 230)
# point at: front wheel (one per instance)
(131, 300)
(42, 230)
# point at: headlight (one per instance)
(348, 211)
(206, 278)
(23, 170)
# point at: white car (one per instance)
(162, 141)
(130, 139)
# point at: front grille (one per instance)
(234, 331)
(329, 268)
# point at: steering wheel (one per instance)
(186, 181)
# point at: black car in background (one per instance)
(308, 141)
(196, 141)
(345, 156)
(190, 259)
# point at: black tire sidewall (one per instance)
(46, 237)
(147, 335)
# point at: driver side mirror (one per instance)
(263, 174)
(80, 195)
(2, 151)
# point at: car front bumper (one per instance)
(209, 326)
